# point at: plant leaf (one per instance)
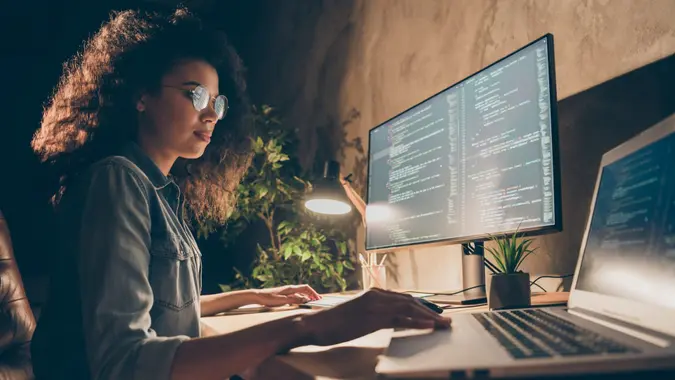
(529, 252)
(262, 191)
(495, 255)
(342, 247)
(305, 256)
(288, 251)
(524, 249)
(282, 225)
(502, 255)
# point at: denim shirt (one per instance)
(127, 292)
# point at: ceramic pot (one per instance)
(509, 291)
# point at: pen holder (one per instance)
(374, 276)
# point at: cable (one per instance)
(539, 286)
(448, 294)
(534, 282)
(553, 276)
(452, 306)
(483, 285)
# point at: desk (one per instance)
(355, 359)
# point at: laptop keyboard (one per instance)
(528, 334)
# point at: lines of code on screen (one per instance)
(630, 248)
(474, 159)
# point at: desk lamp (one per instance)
(332, 195)
(328, 195)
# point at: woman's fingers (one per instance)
(308, 290)
(284, 299)
(394, 309)
(414, 309)
(412, 323)
(304, 289)
(299, 298)
(403, 297)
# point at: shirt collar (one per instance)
(135, 154)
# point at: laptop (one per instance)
(621, 310)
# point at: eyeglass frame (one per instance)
(192, 93)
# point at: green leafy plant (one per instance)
(510, 251)
(296, 247)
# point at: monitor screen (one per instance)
(630, 248)
(478, 158)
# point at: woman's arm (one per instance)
(219, 357)
(282, 295)
(216, 303)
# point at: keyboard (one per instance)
(327, 301)
(528, 334)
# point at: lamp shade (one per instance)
(327, 195)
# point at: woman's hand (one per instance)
(374, 310)
(284, 295)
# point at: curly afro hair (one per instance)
(91, 112)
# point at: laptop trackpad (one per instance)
(465, 345)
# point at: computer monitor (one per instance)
(478, 158)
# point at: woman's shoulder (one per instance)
(115, 168)
(115, 162)
(110, 179)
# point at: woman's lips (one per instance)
(204, 136)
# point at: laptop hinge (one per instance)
(638, 332)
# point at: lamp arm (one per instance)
(355, 198)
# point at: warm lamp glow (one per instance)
(328, 206)
(378, 213)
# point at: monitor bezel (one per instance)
(555, 149)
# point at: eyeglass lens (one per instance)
(201, 98)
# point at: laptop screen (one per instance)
(630, 249)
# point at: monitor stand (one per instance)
(473, 278)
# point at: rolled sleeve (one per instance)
(115, 291)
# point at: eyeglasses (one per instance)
(201, 99)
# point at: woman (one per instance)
(131, 131)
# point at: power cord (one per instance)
(534, 282)
(445, 294)
(459, 291)
(538, 286)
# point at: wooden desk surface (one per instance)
(312, 362)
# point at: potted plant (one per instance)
(282, 243)
(510, 287)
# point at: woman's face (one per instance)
(168, 121)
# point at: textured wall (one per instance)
(345, 66)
